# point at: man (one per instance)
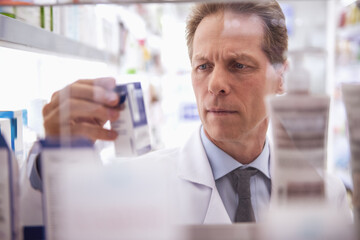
(238, 57)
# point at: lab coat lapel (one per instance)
(194, 166)
(216, 213)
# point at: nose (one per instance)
(218, 83)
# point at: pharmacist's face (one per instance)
(231, 75)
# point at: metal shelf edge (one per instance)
(20, 33)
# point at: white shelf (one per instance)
(17, 34)
(308, 51)
(350, 32)
(125, 2)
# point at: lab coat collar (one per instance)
(194, 166)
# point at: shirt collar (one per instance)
(222, 163)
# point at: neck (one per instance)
(247, 147)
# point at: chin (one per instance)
(222, 134)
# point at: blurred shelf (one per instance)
(69, 2)
(308, 51)
(350, 32)
(352, 65)
(77, 2)
(347, 72)
(19, 35)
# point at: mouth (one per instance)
(217, 111)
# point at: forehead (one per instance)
(227, 29)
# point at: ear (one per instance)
(280, 71)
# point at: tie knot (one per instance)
(243, 173)
(241, 180)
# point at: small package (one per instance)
(16, 123)
(9, 194)
(132, 126)
(5, 130)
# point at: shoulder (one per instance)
(160, 155)
(189, 149)
(163, 152)
(164, 160)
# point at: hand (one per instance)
(81, 109)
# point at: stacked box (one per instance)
(351, 98)
(16, 122)
(9, 194)
(299, 125)
(57, 158)
(5, 130)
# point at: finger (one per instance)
(78, 110)
(83, 129)
(108, 83)
(46, 110)
(93, 93)
(91, 121)
(105, 83)
(50, 105)
(93, 132)
(75, 108)
(86, 92)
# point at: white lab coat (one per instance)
(196, 198)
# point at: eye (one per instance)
(239, 66)
(202, 66)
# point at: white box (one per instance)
(16, 122)
(5, 130)
(56, 159)
(116, 201)
(29, 14)
(132, 126)
(9, 194)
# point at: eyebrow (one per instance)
(199, 58)
(244, 57)
(241, 56)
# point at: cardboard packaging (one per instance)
(132, 126)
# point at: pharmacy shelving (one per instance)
(143, 1)
(308, 51)
(20, 35)
(67, 2)
(350, 32)
(345, 69)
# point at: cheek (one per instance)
(253, 96)
(199, 86)
(262, 85)
(195, 81)
(251, 91)
(196, 88)
(272, 81)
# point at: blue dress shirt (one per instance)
(260, 184)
